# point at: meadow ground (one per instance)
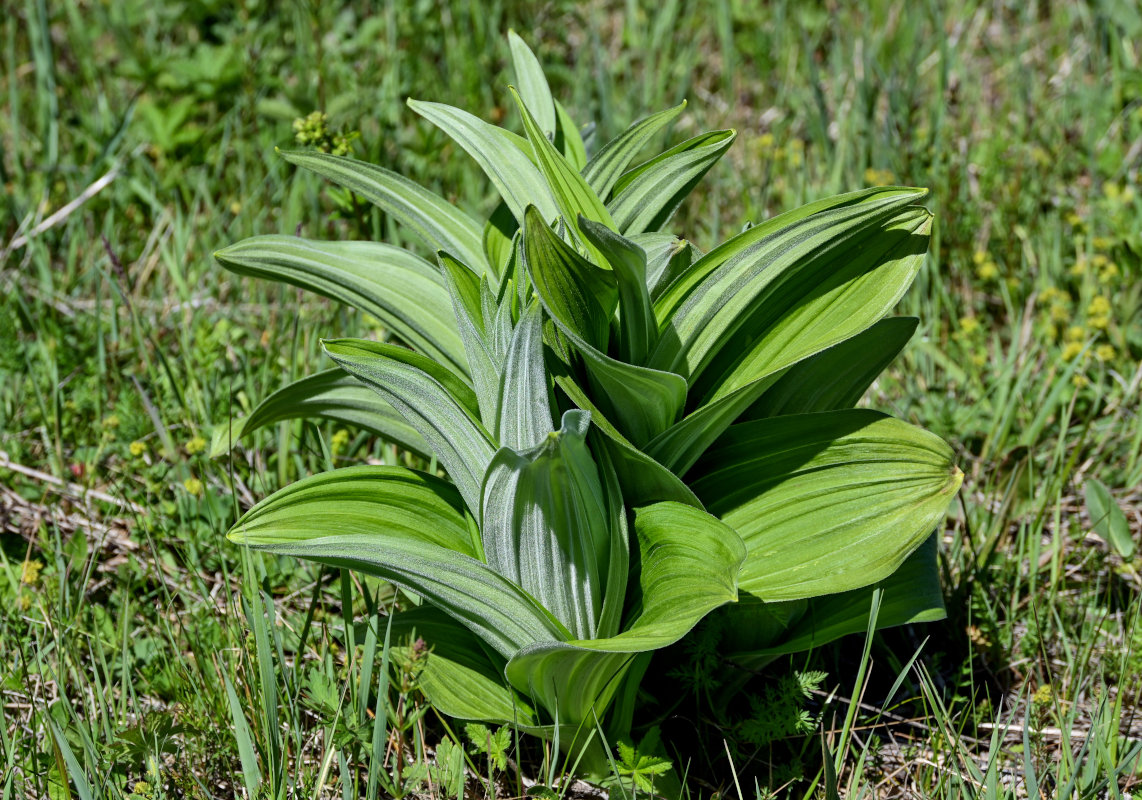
(141, 655)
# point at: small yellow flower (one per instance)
(1108, 273)
(1078, 269)
(978, 257)
(1079, 380)
(235, 208)
(987, 271)
(969, 325)
(195, 445)
(1099, 322)
(1041, 156)
(138, 448)
(1053, 293)
(193, 485)
(1099, 259)
(111, 422)
(1099, 306)
(1059, 312)
(1074, 220)
(1071, 351)
(1043, 695)
(879, 177)
(30, 574)
(1105, 352)
(1111, 190)
(1127, 195)
(1076, 333)
(765, 143)
(979, 359)
(339, 440)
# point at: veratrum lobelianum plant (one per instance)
(706, 450)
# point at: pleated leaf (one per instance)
(524, 409)
(466, 291)
(826, 502)
(532, 84)
(406, 527)
(837, 377)
(437, 222)
(607, 165)
(638, 329)
(910, 595)
(646, 197)
(439, 405)
(330, 395)
(572, 194)
(689, 562)
(513, 174)
(402, 290)
(456, 672)
(545, 524)
(642, 402)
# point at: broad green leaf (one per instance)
(1107, 519)
(466, 291)
(400, 289)
(532, 83)
(332, 395)
(642, 402)
(437, 222)
(524, 410)
(688, 567)
(498, 232)
(911, 594)
(434, 401)
(456, 672)
(754, 242)
(667, 257)
(509, 168)
(809, 304)
(837, 377)
(545, 524)
(568, 138)
(647, 196)
(826, 502)
(705, 309)
(607, 165)
(406, 527)
(638, 329)
(644, 481)
(571, 192)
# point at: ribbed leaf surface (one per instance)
(437, 222)
(431, 399)
(400, 289)
(331, 395)
(607, 165)
(406, 527)
(689, 564)
(826, 502)
(524, 409)
(545, 524)
(532, 83)
(646, 197)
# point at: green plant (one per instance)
(704, 403)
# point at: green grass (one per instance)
(138, 645)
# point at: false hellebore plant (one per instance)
(634, 433)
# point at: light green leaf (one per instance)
(571, 192)
(607, 165)
(467, 291)
(440, 224)
(406, 527)
(524, 410)
(402, 290)
(667, 257)
(1107, 519)
(456, 672)
(545, 524)
(332, 395)
(568, 138)
(434, 401)
(910, 595)
(642, 402)
(509, 168)
(826, 502)
(638, 329)
(689, 564)
(647, 196)
(837, 377)
(533, 88)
